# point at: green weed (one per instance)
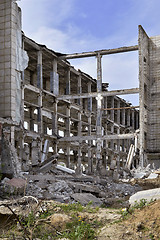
(76, 207)
(78, 230)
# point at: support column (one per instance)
(128, 118)
(99, 115)
(105, 142)
(133, 121)
(89, 99)
(40, 85)
(40, 118)
(54, 119)
(118, 150)
(22, 106)
(39, 71)
(118, 112)
(118, 132)
(32, 119)
(68, 83)
(112, 119)
(79, 89)
(90, 160)
(128, 125)
(67, 133)
(137, 120)
(123, 116)
(79, 171)
(54, 79)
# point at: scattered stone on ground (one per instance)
(59, 220)
(85, 198)
(60, 187)
(149, 195)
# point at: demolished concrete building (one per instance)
(47, 107)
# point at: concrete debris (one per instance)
(85, 198)
(21, 206)
(152, 176)
(143, 172)
(62, 187)
(78, 187)
(66, 170)
(151, 194)
(14, 186)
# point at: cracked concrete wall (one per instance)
(10, 58)
(149, 80)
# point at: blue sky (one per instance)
(84, 25)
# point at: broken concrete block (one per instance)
(151, 194)
(152, 176)
(79, 187)
(14, 186)
(113, 164)
(115, 175)
(85, 198)
(139, 175)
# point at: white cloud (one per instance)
(43, 22)
(43, 13)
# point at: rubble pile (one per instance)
(69, 188)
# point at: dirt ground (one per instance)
(142, 224)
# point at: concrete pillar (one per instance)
(137, 120)
(35, 152)
(68, 83)
(128, 118)
(40, 85)
(67, 133)
(90, 160)
(105, 142)
(54, 79)
(89, 99)
(133, 119)
(31, 111)
(54, 119)
(118, 112)
(112, 119)
(99, 115)
(39, 70)
(79, 147)
(79, 89)
(123, 116)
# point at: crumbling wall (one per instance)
(10, 60)
(9, 165)
(154, 118)
(143, 91)
(149, 80)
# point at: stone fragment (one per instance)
(14, 186)
(151, 194)
(85, 198)
(59, 220)
(152, 176)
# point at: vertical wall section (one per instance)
(154, 117)
(144, 82)
(149, 80)
(11, 55)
